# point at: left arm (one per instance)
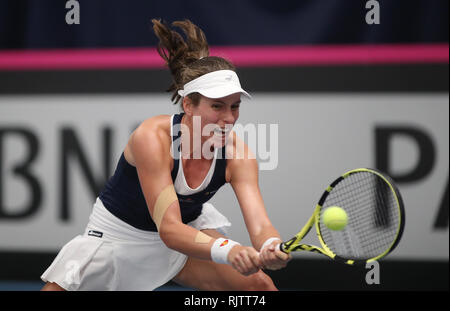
(244, 181)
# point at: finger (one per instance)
(269, 258)
(242, 263)
(282, 255)
(252, 261)
(255, 256)
(274, 263)
(256, 260)
(239, 265)
(265, 258)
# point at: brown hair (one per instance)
(187, 58)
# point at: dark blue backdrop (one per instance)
(115, 23)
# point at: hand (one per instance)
(273, 258)
(244, 259)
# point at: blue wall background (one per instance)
(28, 24)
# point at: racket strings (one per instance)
(373, 218)
(377, 219)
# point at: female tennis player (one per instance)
(152, 222)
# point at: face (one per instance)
(217, 115)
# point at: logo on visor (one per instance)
(229, 78)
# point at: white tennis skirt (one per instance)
(112, 255)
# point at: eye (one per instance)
(216, 106)
(235, 107)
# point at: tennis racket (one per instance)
(376, 219)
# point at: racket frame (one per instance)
(294, 243)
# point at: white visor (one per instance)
(215, 84)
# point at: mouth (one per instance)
(222, 131)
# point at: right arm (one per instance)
(150, 149)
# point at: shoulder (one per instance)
(158, 125)
(151, 137)
(237, 149)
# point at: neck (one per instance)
(195, 145)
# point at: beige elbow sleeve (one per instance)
(164, 200)
(202, 238)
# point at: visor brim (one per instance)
(220, 92)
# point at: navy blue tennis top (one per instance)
(122, 194)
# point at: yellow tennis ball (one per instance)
(335, 218)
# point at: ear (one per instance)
(187, 106)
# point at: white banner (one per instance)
(54, 149)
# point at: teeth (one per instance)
(222, 131)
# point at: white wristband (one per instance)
(269, 241)
(220, 249)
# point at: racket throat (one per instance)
(288, 246)
(310, 248)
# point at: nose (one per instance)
(229, 116)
